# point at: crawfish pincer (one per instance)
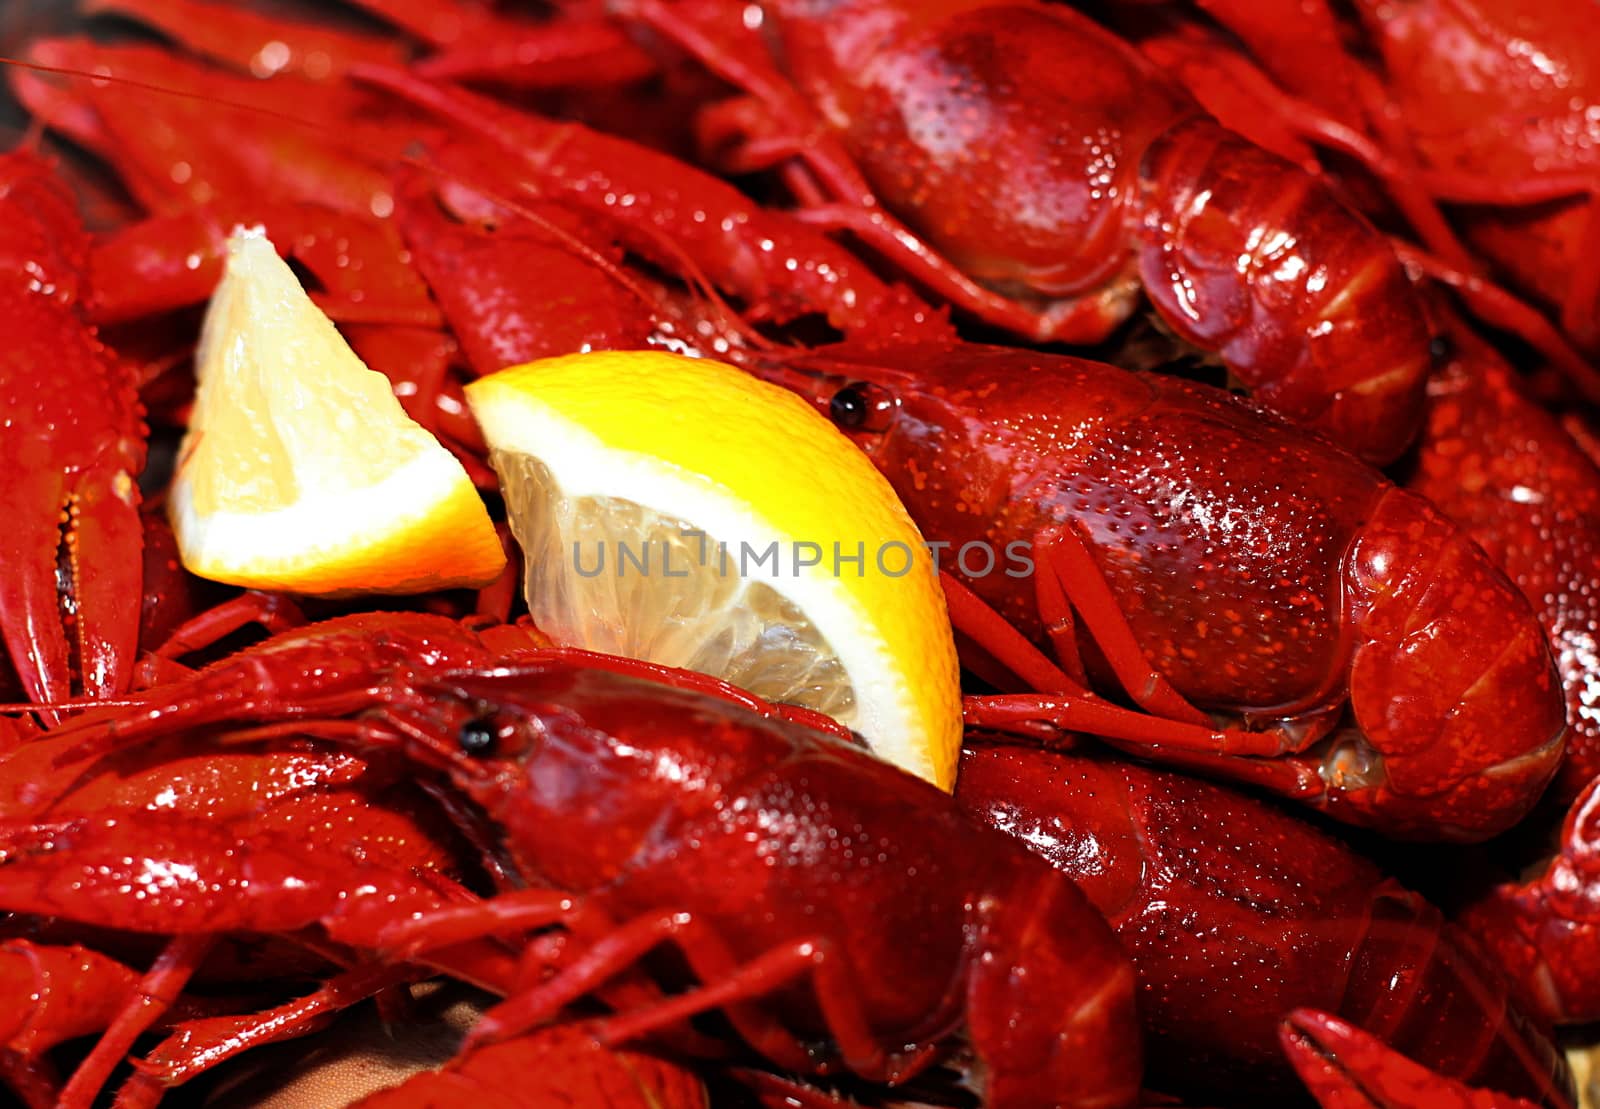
(73, 444)
(1345, 1068)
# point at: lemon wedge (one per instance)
(300, 471)
(680, 511)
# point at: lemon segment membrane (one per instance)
(763, 641)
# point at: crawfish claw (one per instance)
(73, 443)
(1346, 1068)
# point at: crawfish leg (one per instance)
(1064, 705)
(1583, 289)
(1066, 559)
(1577, 306)
(1055, 611)
(197, 1046)
(1499, 308)
(517, 911)
(450, 935)
(759, 977)
(1345, 1068)
(438, 937)
(155, 994)
(731, 983)
(272, 611)
(1080, 320)
(996, 638)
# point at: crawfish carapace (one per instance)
(1269, 578)
(1235, 912)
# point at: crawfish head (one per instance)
(540, 745)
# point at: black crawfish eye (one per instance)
(849, 407)
(477, 737)
(1441, 349)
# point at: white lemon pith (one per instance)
(666, 507)
(300, 471)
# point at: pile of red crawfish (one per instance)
(1283, 772)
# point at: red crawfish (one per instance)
(1546, 930)
(1235, 912)
(858, 921)
(171, 130)
(72, 446)
(369, 805)
(560, 1064)
(1197, 551)
(348, 140)
(1044, 193)
(1505, 469)
(469, 41)
(671, 214)
(1345, 1068)
(213, 839)
(1505, 122)
(213, 800)
(195, 881)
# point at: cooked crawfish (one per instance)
(1198, 552)
(613, 792)
(1235, 912)
(1505, 469)
(1046, 196)
(1504, 124)
(1157, 575)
